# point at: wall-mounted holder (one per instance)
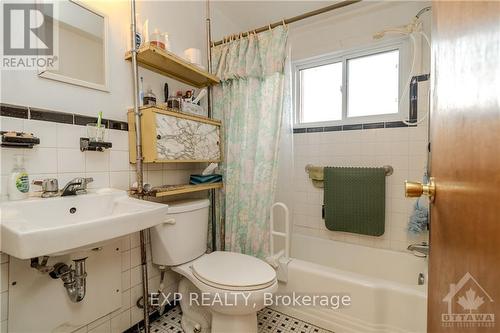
(86, 144)
(316, 174)
(14, 139)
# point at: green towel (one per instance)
(354, 200)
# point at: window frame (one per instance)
(399, 44)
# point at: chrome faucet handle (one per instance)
(82, 188)
(422, 249)
(76, 186)
(50, 186)
(86, 181)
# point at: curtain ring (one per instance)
(269, 25)
(283, 22)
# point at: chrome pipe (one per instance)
(145, 287)
(138, 165)
(208, 30)
(74, 280)
(213, 220)
(137, 111)
(213, 214)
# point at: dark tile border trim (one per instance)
(26, 112)
(52, 116)
(351, 127)
(14, 111)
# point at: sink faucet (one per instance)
(76, 186)
(422, 248)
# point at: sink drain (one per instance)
(72, 210)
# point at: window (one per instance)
(351, 87)
(321, 93)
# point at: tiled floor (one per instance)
(270, 321)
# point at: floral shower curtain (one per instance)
(249, 100)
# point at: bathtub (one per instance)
(382, 284)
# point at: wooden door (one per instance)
(464, 263)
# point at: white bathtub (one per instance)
(382, 284)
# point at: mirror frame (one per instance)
(46, 74)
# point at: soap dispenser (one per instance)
(19, 184)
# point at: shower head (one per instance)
(414, 26)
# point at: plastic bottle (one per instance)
(139, 36)
(19, 183)
(166, 39)
(149, 97)
(157, 39)
(141, 93)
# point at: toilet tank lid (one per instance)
(182, 206)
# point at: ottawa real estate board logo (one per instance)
(467, 302)
(29, 36)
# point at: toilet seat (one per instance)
(233, 271)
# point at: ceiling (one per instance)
(248, 15)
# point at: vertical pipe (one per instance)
(137, 112)
(208, 29)
(271, 233)
(213, 215)
(145, 287)
(139, 170)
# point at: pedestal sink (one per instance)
(39, 227)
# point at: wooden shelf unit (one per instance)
(182, 189)
(171, 65)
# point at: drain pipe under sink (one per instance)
(75, 280)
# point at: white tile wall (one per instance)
(59, 156)
(403, 148)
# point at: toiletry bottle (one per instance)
(157, 40)
(168, 47)
(141, 93)
(149, 97)
(19, 184)
(139, 36)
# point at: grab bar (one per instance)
(285, 235)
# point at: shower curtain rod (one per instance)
(294, 19)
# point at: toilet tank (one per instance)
(183, 235)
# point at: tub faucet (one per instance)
(76, 186)
(422, 248)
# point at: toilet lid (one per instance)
(231, 270)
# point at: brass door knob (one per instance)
(417, 189)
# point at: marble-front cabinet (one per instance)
(170, 136)
(184, 139)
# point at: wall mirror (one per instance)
(82, 46)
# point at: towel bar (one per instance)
(388, 169)
(316, 174)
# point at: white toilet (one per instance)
(229, 287)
